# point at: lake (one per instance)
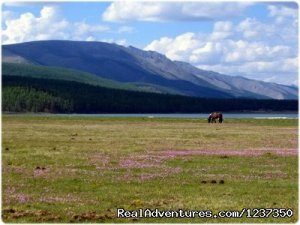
(193, 115)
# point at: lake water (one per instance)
(196, 115)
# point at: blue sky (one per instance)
(258, 40)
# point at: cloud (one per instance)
(7, 15)
(287, 19)
(83, 29)
(122, 11)
(243, 51)
(293, 5)
(126, 29)
(251, 48)
(282, 11)
(178, 48)
(282, 71)
(197, 50)
(113, 41)
(252, 28)
(222, 29)
(49, 24)
(28, 27)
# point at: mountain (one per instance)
(147, 70)
(59, 73)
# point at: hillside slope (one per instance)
(27, 94)
(143, 68)
(50, 72)
(47, 72)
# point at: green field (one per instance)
(81, 169)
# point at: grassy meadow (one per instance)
(81, 169)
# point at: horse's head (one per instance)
(209, 119)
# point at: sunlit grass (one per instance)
(81, 169)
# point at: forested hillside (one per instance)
(25, 94)
(27, 99)
(148, 70)
(50, 72)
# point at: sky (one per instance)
(257, 40)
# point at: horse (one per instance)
(215, 115)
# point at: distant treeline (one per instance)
(24, 94)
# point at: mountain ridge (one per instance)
(132, 65)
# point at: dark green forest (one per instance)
(57, 73)
(27, 99)
(26, 94)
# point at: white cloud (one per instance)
(285, 18)
(90, 38)
(28, 27)
(122, 42)
(250, 48)
(49, 12)
(121, 11)
(176, 48)
(282, 71)
(126, 29)
(243, 51)
(50, 24)
(282, 11)
(113, 41)
(284, 32)
(252, 28)
(222, 29)
(7, 15)
(197, 50)
(82, 29)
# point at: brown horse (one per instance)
(214, 116)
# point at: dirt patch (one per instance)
(93, 216)
(37, 216)
(40, 171)
(11, 215)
